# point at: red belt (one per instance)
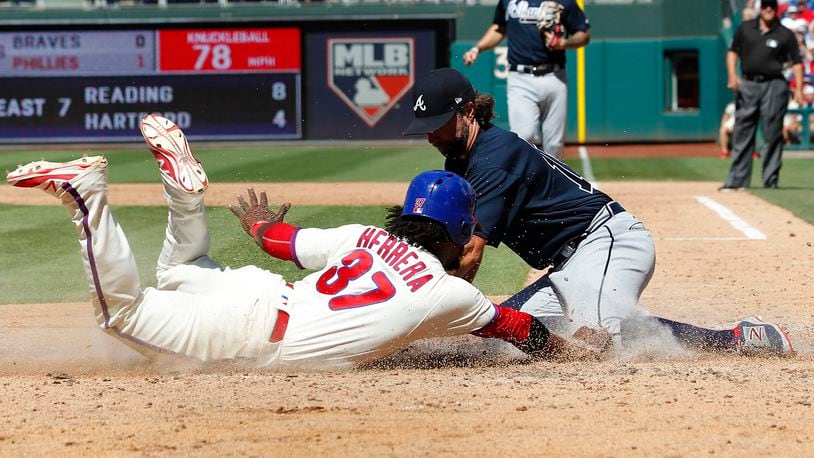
(281, 324)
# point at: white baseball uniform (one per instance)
(370, 295)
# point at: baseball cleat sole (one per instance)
(171, 150)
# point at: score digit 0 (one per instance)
(221, 56)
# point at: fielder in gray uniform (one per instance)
(538, 33)
(601, 257)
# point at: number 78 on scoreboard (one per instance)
(229, 50)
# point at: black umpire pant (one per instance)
(767, 101)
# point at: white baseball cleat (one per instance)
(57, 177)
(170, 147)
(753, 335)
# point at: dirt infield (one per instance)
(221, 194)
(70, 389)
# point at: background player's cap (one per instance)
(436, 97)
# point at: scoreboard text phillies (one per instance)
(65, 86)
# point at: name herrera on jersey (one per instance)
(397, 254)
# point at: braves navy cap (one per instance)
(436, 97)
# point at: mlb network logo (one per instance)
(371, 74)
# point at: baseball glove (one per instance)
(549, 19)
(255, 211)
(549, 15)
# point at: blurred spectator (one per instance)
(749, 14)
(726, 129)
(804, 12)
(805, 53)
(793, 122)
(792, 125)
(792, 20)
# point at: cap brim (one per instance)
(421, 126)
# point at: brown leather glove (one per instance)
(255, 211)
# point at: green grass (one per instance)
(282, 164)
(660, 169)
(42, 263)
(41, 259)
(275, 163)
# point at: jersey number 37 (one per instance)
(354, 265)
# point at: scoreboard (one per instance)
(215, 83)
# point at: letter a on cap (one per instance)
(419, 104)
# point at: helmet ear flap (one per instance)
(446, 198)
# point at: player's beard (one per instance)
(458, 147)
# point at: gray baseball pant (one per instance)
(766, 101)
(531, 97)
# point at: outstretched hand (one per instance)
(255, 211)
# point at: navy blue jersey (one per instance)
(526, 42)
(527, 199)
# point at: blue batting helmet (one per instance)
(446, 198)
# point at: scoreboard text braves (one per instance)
(96, 85)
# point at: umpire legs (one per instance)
(747, 111)
(773, 107)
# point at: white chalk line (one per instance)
(729, 216)
(750, 232)
(587, 170)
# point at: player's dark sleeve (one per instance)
(277, 239)
(575, 19)
(500, 15)
(737, 40)
(497, 205)
(518, 328)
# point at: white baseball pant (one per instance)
(199, 309)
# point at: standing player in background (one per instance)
(537, 33)
(763, 46)
(601, 256)
(374, 290)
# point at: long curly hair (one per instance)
(418, 231)
(484, 109)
